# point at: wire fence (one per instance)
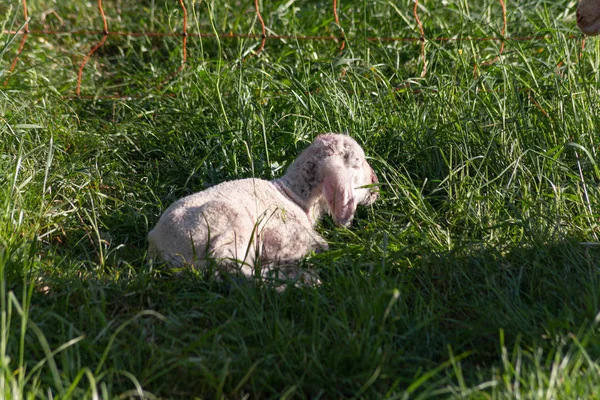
(25, 32)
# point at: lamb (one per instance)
(253, 225)
(588, 17)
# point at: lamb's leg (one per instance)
(234, 252)
(284, 274)
(282, 247)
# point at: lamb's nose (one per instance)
(373, 177)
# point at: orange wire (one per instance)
(502, 34)
(25, 15)
(13, 64)
(262, 27)
(184, 44)
(93, 50)
(422, 31)
(105, 33)
(337, 21)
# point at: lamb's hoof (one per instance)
(284, 276)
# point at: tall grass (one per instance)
(475, 275)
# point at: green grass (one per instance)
(475, 275)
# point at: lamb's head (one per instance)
(331, 174)
(588, 17)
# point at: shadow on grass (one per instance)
(374, 328)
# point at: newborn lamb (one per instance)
(588, 17)
(249, 224)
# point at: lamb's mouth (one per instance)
(371, 197)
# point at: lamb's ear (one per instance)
(338, 191)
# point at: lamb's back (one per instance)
(229, 209)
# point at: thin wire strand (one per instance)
(422, 31)
(184, 36)
(93, 50)
(502, 34)
(337, 22)
(262, 27)
(13, 64)
(25, 32)
(232, 35)
(25, 16)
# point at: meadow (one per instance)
(475, 274)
